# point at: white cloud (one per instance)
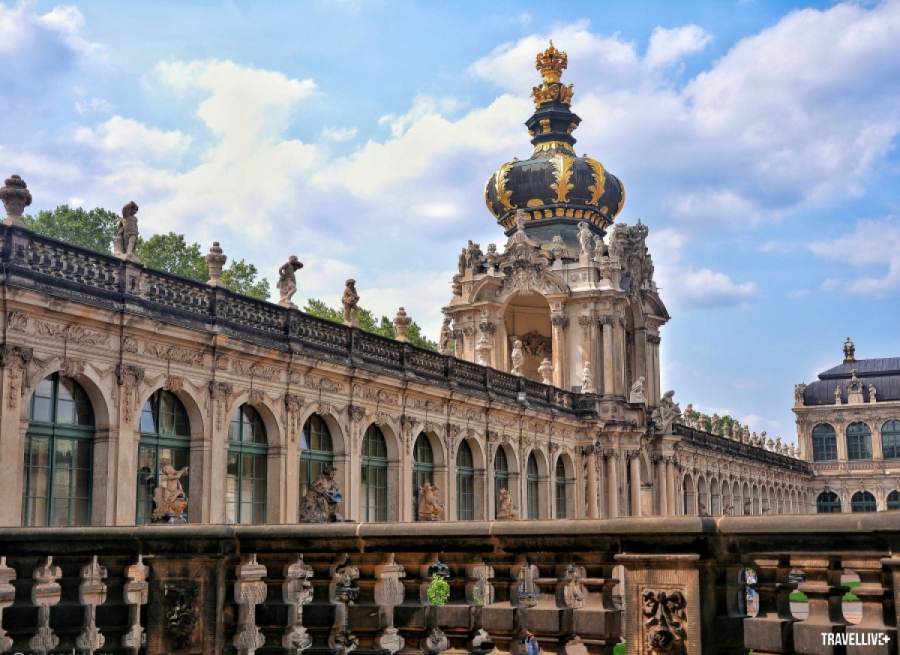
(669, 45)
(872, 244)
(124, 136)
(699, 289)
(802, 293)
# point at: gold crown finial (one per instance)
(551, 63)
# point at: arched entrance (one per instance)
(527, 319)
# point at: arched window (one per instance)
(165, 441)
(890, 440)
(316, 451)
(715, 498)
(862, 501)
(465, 483)
(373, 482)
(893, 500)
(859, 441)
(423, 468)
(561, 509)
(532, 488)
(245, 485)
(824, 440)
(828, 503)
(501, 476)
(687, 487)
(58, 455)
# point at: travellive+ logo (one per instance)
(855, 639)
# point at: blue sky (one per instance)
(757, 140)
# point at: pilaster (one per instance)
(13, 362)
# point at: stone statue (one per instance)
(688, 414)
(854, 384)
(518, 359)
(799, 390)
(287, 281)
(322, 498)
(558, 247)
(778, 445)
(506, 511)
(598, 247)
(492, 255)
(127, 233)
(445, 338)
(461, 263)
(430, 508)
(837, 395)
(872, 393)
(791, 451)
(770, 443)
(587, 379)
(474, 257)
(714, 424)
(637, 391)
(546, 371)
(664, 415)
(584, 238)
(745, 437)
(350, 301)
(169, 497)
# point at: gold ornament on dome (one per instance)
(621, 199)
(551, 63)
(562, 166)
(487, 199)
(599, 176)
(502, 180)
(553, 145)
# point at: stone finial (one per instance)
(704, 423)
(126, 239)
(546, 371)
(215, 260)
(16, 197)
(849, 348)
(401, 322)
(483, 350)
(350, 301)
(287, 281)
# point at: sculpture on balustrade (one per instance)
(322, 498)
(127, 233)
(16, 197)
(799, 390)
(666, 414)
(473, 257)
(518, 359)
(287, 280)
(546, 371)
(169, 497)
(637, 391)
(350, 301)
(585, 239)
(506, 511)
(872, 393)
(445, 338)
(587, 379)
(558, 247)
(430, 508)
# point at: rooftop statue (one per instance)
(287, 280)
(446, 337)
(664, 415)
(518, 359)
(127, 233)
(322, 498)
(350, 300)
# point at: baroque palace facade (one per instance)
(111, 372)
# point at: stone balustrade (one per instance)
(340, 587)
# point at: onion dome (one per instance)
(554, 184)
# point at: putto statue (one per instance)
(506, 511)
(169, 497)
(518, 359)
(430, 508)
(664, 415)
(322, 498)
(287, 280)
(637, 391)
(546, 371)
(587, 379)
(446, 337)
(350, 300)
(127, 233)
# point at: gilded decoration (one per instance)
(599, 175)
(562, 166)
(502, 180)
(487, 199)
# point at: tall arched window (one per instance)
(165, 441)
(561, 509)
(863, 501)
(687, 493)
(245, 484)
(824, 441)
(828, 503)
(316, 451)
(373, 482)
(532, 488)
(465, 483)
(859, 441)
(58, 455)
(423, 468)
(890, 440)
(893, 500)
(501, 476)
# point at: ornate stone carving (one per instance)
(517, 358)
(535, 344)
(71, 367)
(376, 395)
(401, 324)
(587, 378)
(346, 593)
(799, 390)
(528, 593)
(436, 642)
(350, 301)
(483, 350)
(585, 239)
(293, 405)
(445, 338)
(73, 333)
(7, 596)
(506, 511)
(322, 383)
(629, 245)
(222, 362)
(249, 591)
(45, 593)
(128, 377)
(559, 321)
(17, 321)
(472, 258)
(664, 621)
(430, 508)
(388, 588)
(256, 397)
(558, 247)
(127, 233)
(287, 281)
(296, 591)
(169, 497)
(322, 498)
(173, 383)
(135, 594)
(16, 197)
(356, 413)
(219, 393)
(854, 389)
(174, 354)
(91, 592)
(255, 370)
(573, 591)
(666, 414)
(637, 391)
(182, 613)
(546, 371)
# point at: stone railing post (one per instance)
(772, 629)
(825, 593)
(878, 613)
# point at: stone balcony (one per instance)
(339, 587)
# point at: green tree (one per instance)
(170, 252)
(240, 277)
(320, 309)
(367, 322)
(94, 229)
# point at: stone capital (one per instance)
(15, 356)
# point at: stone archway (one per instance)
(527, 318)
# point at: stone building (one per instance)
(110, 372)
(848, 425)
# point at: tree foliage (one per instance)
(94, 229)
(368, 323)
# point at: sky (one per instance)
(756, 140)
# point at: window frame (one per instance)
(828, 451)
(561, 489)
(378, 466)
(856, 452)
(465, 484)
(829, 505)
(863, 502)
(892, 450)
(532, 488)
(241, 449)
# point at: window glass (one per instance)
(824, 441)
(245, 471)
(374, 488)
(828, 503)
(862, 501)
(465, 483)
(859, 441)
(890, 440)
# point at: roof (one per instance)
(883, 373)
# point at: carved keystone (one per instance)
(249, 591)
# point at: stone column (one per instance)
(609, 362)
(13, 360)
(670, 486)
(662, 486)
(635, 464)
(652, 387)
(220, 401)
(276, 485)
(619, 349)
(560, 348)
(612, 461)
(602, 486)
(592, 483)
(129, 379)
